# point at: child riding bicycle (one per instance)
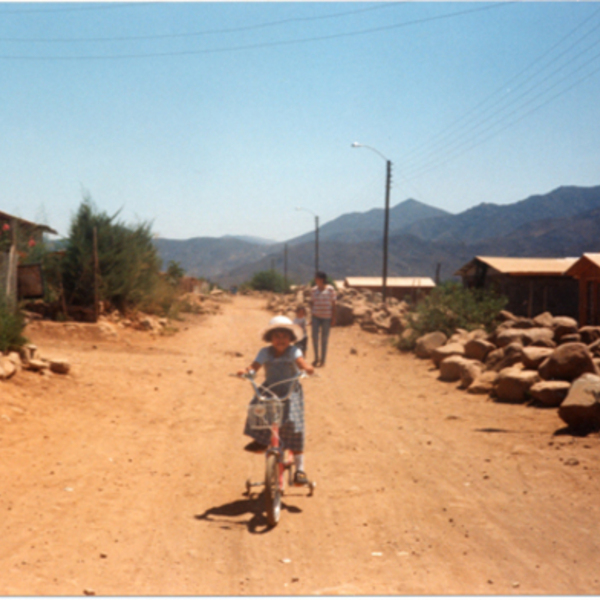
(282, 361)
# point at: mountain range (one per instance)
(564, 222)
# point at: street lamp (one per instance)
(386, 223)
(316, 236)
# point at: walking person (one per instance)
(322, 304)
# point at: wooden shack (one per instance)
(587, 271)
(17, 237)
(403, 288)
(532, 285)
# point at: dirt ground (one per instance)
(126, 477)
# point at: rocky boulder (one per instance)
(513, 384)
(504, 337)
(534, 356)
(7, 368)
(478, 349)
(581, 408)
(450, 368)
(511, 355)
(470, 370)
(484, 384)
(544, 320)
(563, 326)
(589, 334)
(439, 354)
(427, 343)
(538, 336)
(550, 393)
(344, 314)
(568, 362)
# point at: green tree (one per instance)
(271, 281)
(12, 325)
(128, 262)
(175, 272)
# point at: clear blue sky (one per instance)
(220, 118)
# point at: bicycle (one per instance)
(267, 413)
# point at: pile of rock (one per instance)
(362, 307)
(28, 358)
(547, 360)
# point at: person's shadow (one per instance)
(253, 506)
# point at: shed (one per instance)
(16, 237)
(587, 271)
(532, 285)
(403, 288)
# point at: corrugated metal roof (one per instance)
(7, 217)
(581, 266)
(391, 282)
(522, 266)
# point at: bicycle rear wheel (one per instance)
(272, 490)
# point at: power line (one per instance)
(204, 32)
(463, 137)
(260, 45)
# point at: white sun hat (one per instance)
(281, 322)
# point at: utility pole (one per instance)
(285, 267)
(316, 244)
(386, 227)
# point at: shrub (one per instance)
(451, 305)
(12, 325)
(271, 281)
(128, 261)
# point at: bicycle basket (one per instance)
(265, 413)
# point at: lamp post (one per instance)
(386, 222)
(316, 236)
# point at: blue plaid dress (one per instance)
(277, 369)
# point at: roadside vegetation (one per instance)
(451, 306)
(12, 325)
(270, 281)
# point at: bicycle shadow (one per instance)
(254, 506)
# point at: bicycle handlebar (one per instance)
(250, 376)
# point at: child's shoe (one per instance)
(300, 478)
(255, 447)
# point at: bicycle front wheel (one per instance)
(272, 490)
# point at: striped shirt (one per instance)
(323, 302)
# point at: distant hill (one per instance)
(493, 220)
(360, 226)
(250, 239)
(565, 222)
(209, 257)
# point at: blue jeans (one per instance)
(324, 325)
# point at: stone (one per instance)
(544, 319)
(427, 343)
(397, 325)
(442, 352)
(569, 337)
(505, 315)
(581, 408)
(564, 325)
(550, 393)
(60, 366)
(450, 368)
(523, 323)
(27, 352)
(344, 314)
(544, 343)
(538, 334)
(16, 360)
(513, 384)
(512, 354)
(505, 337)
(7, 368)
(36, 365)
(534, 356)
(568, 362)
(470, 370)
(589, 334)
(493, 358)
(478, 349)
(460, 336)
(484, 384)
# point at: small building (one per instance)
(17, 237)
(403, 288)
(587, 271)
(531, 285)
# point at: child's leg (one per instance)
(299, 461)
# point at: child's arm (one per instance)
(253, 367)
(302, 364)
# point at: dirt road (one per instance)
(127, 477)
